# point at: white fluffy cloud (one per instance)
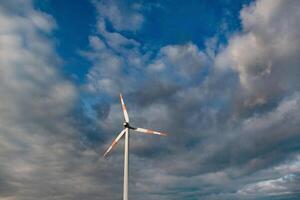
(122, 16)
(265, 53)
(186, 60)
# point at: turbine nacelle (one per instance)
(126, 125)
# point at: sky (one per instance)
(220, 77)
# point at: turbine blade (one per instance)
(114, 142)
(124, 109)
(148, 131)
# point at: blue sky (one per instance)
(221, 77)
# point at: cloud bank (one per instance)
(232, 116)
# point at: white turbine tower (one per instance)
(125, 132)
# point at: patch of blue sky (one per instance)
(178, 22)
(75, 22)
(90, 101)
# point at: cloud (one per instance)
(37, 135)
(43, 154)
(122, 16)
(232, 113)
(267, 47)
(279, 186)
(186, 60)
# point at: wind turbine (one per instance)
(125, 132)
